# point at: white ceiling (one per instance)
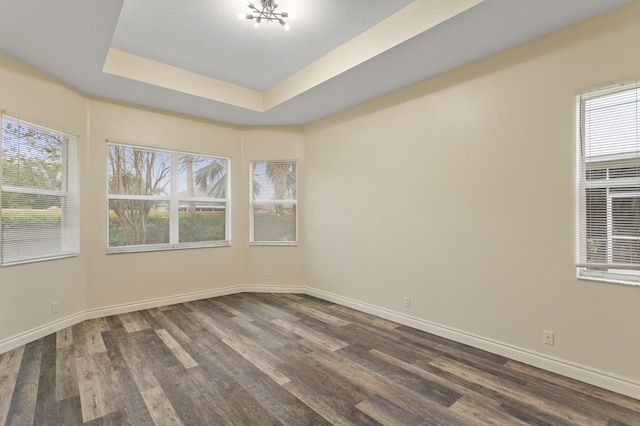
(196, 57)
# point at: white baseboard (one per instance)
(39, 332)
(602, 379)
(605, 380)
(162, 301)
(54, 326)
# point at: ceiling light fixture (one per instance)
(267, 13)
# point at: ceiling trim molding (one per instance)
(148, 71)
(414, 19)
(408, 22)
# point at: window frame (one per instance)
(615, 186)
(69, 195)
(173, 199)
(253, 202)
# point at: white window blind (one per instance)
(40, 209)
(608, 207)
(274, 193)
(160, 200)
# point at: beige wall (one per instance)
(459, 193)
(117, 279)
(284, 264)
(27, 291)
(95, 281)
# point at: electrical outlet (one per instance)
(267, 277)
(54, 308)
(547, 337)
(407, 302)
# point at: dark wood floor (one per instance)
(263, 359)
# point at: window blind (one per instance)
(40, 209)
(608, 207)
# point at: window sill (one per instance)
(42, 259)
(164, 247)
(610, 279)
(274, 243)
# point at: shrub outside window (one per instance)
(161, 200)
(608, 209)
(40, 208)
(274, 192)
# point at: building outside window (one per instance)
(609, 184)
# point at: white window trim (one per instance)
(253, 202)
(70, 239)
(625, 274)
(174, 200)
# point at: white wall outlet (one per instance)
(54, 308)
(547, 337)
(267, 276)
(407, 302)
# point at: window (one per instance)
(274, 218)
(40, 209)
(162, 200)
(609, 184)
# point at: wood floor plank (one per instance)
(125, 390)
(184, 321)
(164, 322)
(218, 366)
(362, 318)
(479, 399)
(93, 376)
(233, 310)
(258, 356)
(160, 408)
(281, 407)
(519, 393)
(300, 309)
(478, 412)
(318, 405)
(376, 384)
(387, 413)
(609, 399)
(9, 369)
(66, 373)
(139, 368)
(325, 391)
(280, 403)
(46, 400)
(69, 412)
(193, 405)
(64, 338)
(182, 356)
(382, 341)
(273, 339)
(309, 334)
(281, 359)
(89, 338)
(443, 394)
(255, 305)
(134, 321)
(23, 403)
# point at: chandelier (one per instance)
(267, 13)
